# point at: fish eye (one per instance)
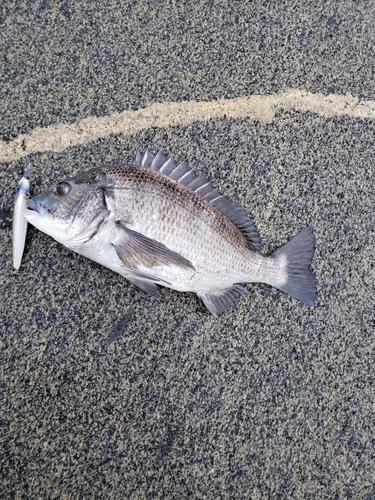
(61, 189)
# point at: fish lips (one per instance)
(33, 205)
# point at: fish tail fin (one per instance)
(298, 254)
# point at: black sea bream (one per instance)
(158, 223)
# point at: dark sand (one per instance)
(108, 393)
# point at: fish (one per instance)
(156, 222)
(19, 221)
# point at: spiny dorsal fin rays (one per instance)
(179, 171)
(147, 159)
(187, 178)
(138, 159)
(158, 161)
(168, 166)
(203, 188)
(198, 182)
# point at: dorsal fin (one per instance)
(158, 161)
(138, 159)
(202, 187)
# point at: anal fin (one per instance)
(220, 302)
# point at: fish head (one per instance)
(65, 209)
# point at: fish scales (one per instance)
(171, 213)
(174, 215)
(158, 223)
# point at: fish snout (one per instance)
(35, 206)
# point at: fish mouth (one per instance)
(35, 206)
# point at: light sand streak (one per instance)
(262, 108)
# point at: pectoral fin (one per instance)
(135, 249)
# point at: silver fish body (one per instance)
(157, 223)
(19, 221)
